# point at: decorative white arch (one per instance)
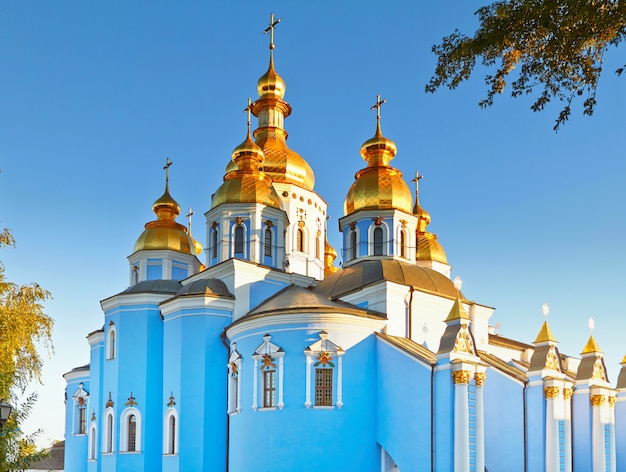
(171, 432)
(124, 429)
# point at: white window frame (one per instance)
(92, 448)
(243, 254)
(353, 249)
(109, 434)
(311, 353)
(402, 247)
(167, 432)
(305, 239)
(234, 381)
(123, 444)
(267, 348)
(385, 242)
(111, 352)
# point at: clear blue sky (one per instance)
(95, 95)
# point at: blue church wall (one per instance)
(262, 290)
(137, 369)
(444, 426)
(581, 437)
(95, 400)
(75, 443)
(535, 427)
(338, 438)
(503, 400)
(193, 341)
(398, 373)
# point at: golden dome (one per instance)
(330, 254)
(246, 183)
(429, 249)
(378, 186)
(165, 233)
(281, 163)
(270, 84)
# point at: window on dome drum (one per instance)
(323, 387)
(214, 243)
(353, 244)
(238, 239)
(268, 242)
(269, 389)
(318, 247)
(402, 244)
(132, 434)
(300, 240)
(82, 420)
(378, 242)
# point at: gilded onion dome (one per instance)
(378, 186)
(428, 247)
(164, 233)
(330, 254)
(281, 163)
(246, 183)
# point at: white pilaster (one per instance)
(255, 383)
(307, 401)
(597, 433)
(567, 420)
(461, 421)
(281, 404)
(479, 378)
(552, 394)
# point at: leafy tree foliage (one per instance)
(23, 326)
(556, 47)
(17, 451)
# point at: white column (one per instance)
(552, 394)
(281, 404)
(339, 381)
(461, 421)
(255, 385)
(567, 420)
(479, 378)
(612, 401)
(597, 432)
(307, 401)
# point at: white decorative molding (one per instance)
(264, 359)
(123, 446)
(323, 352)
(170, 433)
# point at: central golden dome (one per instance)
(281, 163)
(378, 186)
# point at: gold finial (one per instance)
(377, 105)
(270, 30)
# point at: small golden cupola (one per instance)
(378, 186)
(247, 183)
(281, 163)
(428, 247)
(330, 254)
(165, 233)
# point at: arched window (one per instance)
(300, 240)
(268, 242)
(93, 441)
(132, 433)
(318, 247)
(402, 244)
(109, 423)
(378, 241)
(353, 245)
(214, 242)
(130, 430)
(239, 240)
(170, 429)
(111, 343)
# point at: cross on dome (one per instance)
(270, 29)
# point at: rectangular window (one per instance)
(132, 433)
(323, 387)
(82, 421)
(269, 388)
(268, 242)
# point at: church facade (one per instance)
(265, 356)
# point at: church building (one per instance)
(253, 352)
